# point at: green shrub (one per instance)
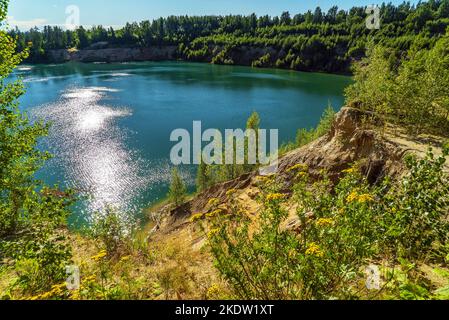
(414, 93)
(417, 217)
(32, 215)
(341, 231)
(178, 190)
(262, 62)
(254, 263)
(208, 175)
(114, 231)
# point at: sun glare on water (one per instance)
(88, 143)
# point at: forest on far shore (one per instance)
(311, 41)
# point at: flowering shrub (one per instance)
(342, 230)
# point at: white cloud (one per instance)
(26, 24)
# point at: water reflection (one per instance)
(91, 148)
(111, 123)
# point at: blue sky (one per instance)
(28, 13)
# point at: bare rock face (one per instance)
(99, 54)
(348, 142)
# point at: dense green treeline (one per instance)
(412, 93)
(322, 41)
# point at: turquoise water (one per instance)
(111, 123)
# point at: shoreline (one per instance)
(28, 63)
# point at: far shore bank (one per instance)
(153, 54)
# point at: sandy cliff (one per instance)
(380, 153)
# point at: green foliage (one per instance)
(405, 283)
(253, 121)
(114, 231)
(178, 190)
(202, 182)
(39, 247)
(209, 175)
(413, 93)
(373, 82)
(32, 215)
(446, 144)
(315, 40)
(264, 61)
(255, 263)
(340, 231)
(223, 57)
(415, 226)
(3, 9)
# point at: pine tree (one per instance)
(253, 123)
(202, 177)
(178, 190)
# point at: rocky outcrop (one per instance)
(350, 140)
(155, 53)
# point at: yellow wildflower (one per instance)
(57, 289)
(46, 295)
(314, 250)
(100, 255)
(362, 198)
(298, 167)
(291, 253)
(214, 213)
(350, 170)
(231, 192)
(352, 196)
(89, 279)
(75, 295)
(124, 259)
(324, 222)
(275, 196)
(196, 217)
(59, 286)
(265, 179)
(212, 233)
(213, 291)
(301, 174)
(365, 198)
(213, 202)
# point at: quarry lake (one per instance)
(111, 123)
